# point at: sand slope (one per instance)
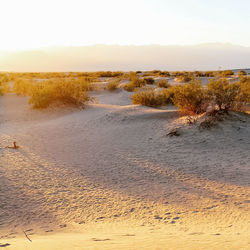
(108, 177)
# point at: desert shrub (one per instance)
(113, 85)
(242, 73)
(164, 73)
(190, 97)
(168, 94)
(156, 72)
(69, 92)
(108, 74)
(226, 73)
(176, 73)
(222, 93)
(209, 74)
(163, 84)
(198, 74)
(149, 80)
(244, 95)
(148, 98)
(129, 87)
(135, 82)
(22, 86)
(183, 78)
(4, 87)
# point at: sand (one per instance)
(109, 177)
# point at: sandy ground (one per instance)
(109, 177)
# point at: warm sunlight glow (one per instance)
(31, 24)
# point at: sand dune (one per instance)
(109, 177)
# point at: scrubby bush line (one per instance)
(193, 98)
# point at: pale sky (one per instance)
(28, 24)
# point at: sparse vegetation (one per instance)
(190, 97)
(113, 85)
(149, 80)
(242, 73)
(163, 84)
(148, 98)
(135, 82)
(70, 92)
(183, 78)
(223, 94)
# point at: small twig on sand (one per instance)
(14, 146)
(27, 236)
(174, 132)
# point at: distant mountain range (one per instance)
(117, 57)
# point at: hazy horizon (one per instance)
(91, 35)
(209, 56)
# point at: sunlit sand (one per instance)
(109, 177)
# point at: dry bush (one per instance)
(242, 73)
(4, 87)
(164, 73)
(223, 94)
(226, 73)
(163, 84)
(244, 95)
(209, 73)
(148, 98)
(191, 97)
(112, 85)
(68, 92)
(22, 86)
(198, 74)
(135, 82)
(149, 80)
(108, 74)
(183, 78)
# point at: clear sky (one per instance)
(27, 24)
